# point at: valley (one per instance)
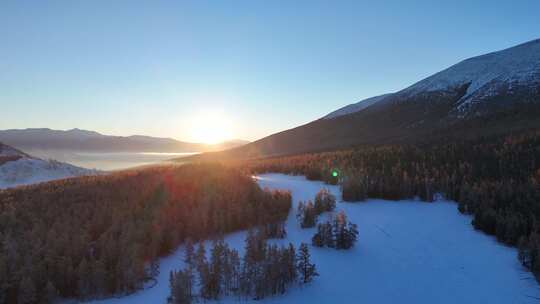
(306, 152)
(408, 251)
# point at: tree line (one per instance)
(98, 236)
(496, 179)
(264, 270)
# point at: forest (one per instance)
(495, 179)
(99, 236)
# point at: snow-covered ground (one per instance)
(408, 252)
(27, 170)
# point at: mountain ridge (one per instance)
(91, 141)
(485, 95)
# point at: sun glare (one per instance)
(211, 127)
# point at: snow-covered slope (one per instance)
(486, 75)
(407, 252)
(512, 71)
(356, 107)
(18, 168)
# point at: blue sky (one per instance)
(157, 67)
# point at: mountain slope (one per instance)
(90, 141)
(18, 168)
(356, 107)
(485, 95)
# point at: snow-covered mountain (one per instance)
(512, 71)
(18, 168)
(501, 76)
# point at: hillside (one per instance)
(18, 168)
(496, 93)
(90, 141)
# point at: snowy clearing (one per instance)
(407, 252)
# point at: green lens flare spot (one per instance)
(334, 173)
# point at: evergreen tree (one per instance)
(180, 284)
(307, 214)
(189, 254)
(324, 236)
(204, 272)
(304, 266)
(324, 201)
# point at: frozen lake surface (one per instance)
(407, 252)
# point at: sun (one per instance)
(211, 127)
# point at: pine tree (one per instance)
(324, 201)
(307, 215)
(189, 254)
(235, 268)
(304, 267)
(339, 230)
(180, 285)
(292, 272)
(204, 271)
(352, 235)
(217, 262)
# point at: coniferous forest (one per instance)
(99, 236)
(496, 179)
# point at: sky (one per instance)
(210, 70)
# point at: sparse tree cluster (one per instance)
(339, 233)
(264, 270)
(308, 212)
(96, 236)
(324, 201)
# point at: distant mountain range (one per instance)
(18, 168)
(485, 95)
(90, 141)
